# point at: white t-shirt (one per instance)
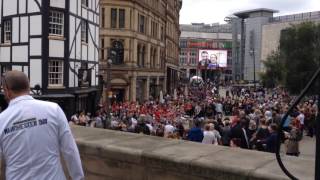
(219, 107)
(217, 136)
(150, 127)
(134, 123)
(168, 129)
(74, 118)
(301, 118)
(33, 133)
(98, 122)
(208, 137)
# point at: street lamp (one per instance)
(205, 78)
(108, 87)
(252, 53)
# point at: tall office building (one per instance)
(257, 33)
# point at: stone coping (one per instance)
(182, 157)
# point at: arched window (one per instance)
(141, 53)
(117, 46)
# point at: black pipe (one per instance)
(317, 166)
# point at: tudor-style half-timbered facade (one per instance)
(55, 42)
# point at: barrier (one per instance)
(116, 155)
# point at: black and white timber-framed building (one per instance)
(55, 42)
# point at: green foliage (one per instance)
(297, 58)
(274, 70)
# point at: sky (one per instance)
(213, 11)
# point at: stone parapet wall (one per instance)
(123, 156)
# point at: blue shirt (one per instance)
(287, 121)
(271, 142)
(195, 134)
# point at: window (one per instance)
(84, 3)
(82, 102)
(55, 73)
(183, 43)
(142, 24)
(4, 69)
(7, 31)
(193, 53)
(153, 57)
(117, 46)
(154, 29)
(141, 55)
(193, 61)
(56, 23)
(113, 18)
(84, 31)
(162, 58)
(162, 33)
(118, 20)
(103, 17)
(121, 18)
(181, 60)
(102, 49)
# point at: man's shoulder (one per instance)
(47, 104)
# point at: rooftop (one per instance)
(246, 13)
(206, 28)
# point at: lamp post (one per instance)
(108, 87)
(205, 79)
(252, 53)
(205, 89)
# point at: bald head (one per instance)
(16, 81)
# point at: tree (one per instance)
(298, 55)
(274, 73)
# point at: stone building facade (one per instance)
(144, 33)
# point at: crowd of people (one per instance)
(241, 117)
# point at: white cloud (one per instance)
(211, 11)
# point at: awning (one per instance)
(86, 90)
(54, 96)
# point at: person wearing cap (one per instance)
(34, 135)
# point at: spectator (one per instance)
(196, 134)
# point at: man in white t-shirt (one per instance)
(32, 135)
(208, 135)
(168, 129)
(133, 123)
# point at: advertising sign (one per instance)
(213, 59)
